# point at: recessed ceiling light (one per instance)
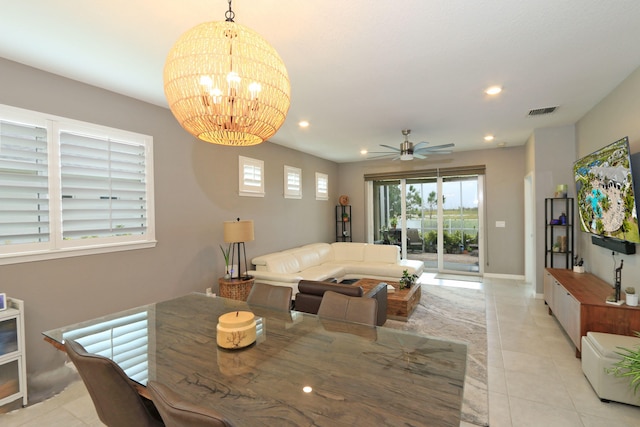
(489, 138)
(493, 90)
(363, 152)
(303, 124)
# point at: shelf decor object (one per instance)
(226, 85)
(559, 233)
(237, 232)
(343, 222)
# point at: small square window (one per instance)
(322, 186)
(292, 183)
(251, 177)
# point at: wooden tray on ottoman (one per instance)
(401, 303)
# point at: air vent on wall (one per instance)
(541, 111)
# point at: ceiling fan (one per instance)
(408, 150)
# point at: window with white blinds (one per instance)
(24, 187)
(69, 188)
(292, 183)
(251, 177)
(322, 186)
(103, 184)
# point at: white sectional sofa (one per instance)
(340, 261)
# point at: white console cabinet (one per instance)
(564, 306)
(13, 369)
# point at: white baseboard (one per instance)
(504, 276)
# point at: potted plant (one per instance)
(629, 366)
(393, 222)
(225, 254)
(632, 297)
(407, 280)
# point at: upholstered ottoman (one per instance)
(598, 354)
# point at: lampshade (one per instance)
(226, 85)
(238, 231)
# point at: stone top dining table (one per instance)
(301, 371)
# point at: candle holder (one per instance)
(236, 330)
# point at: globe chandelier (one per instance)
(226, 85)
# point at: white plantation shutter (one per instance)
(322, 186)
(69, 188)
(24, 188)
(251, 179)
(103, 187)
(292, 182)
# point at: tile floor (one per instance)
(534, 377)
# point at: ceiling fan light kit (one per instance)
(409, 151)
(226, 85)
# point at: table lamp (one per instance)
(237, 232)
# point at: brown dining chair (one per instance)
(176, 412)
(270, 296)
(117, 402)
(352, 309)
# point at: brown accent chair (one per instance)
(270, 296)
(311, 293)
(176, 412)
(117, 402)
(337, 306)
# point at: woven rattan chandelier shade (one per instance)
(226, 85)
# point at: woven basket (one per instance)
(237, 289)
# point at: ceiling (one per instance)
(361, 70)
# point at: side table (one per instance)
(237, 289)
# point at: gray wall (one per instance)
(505, 170)
(550, 155)
(614, 117)
(196, 186)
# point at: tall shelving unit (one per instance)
(343, 223)
(13, 366)
(558, 237)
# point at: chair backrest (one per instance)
(177, 412)
(270, 296)
(413, 234)
(353, 309)
(117, 402)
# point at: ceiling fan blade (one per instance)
(435, 147)
(417, 146)
(419, 156)
(390, 147)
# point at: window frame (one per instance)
(322, 194)
(289, 192)
(56, 246)
(247, 188)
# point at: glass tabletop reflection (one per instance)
(301, 370)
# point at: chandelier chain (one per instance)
(229, 14)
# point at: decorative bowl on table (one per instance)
(236, 329)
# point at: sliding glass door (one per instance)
(460, 221)
(435, 219)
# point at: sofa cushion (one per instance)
(348, 251)
(387, 254)
(319, 288)
(282, 263)
(307, 258)
(324, 251)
